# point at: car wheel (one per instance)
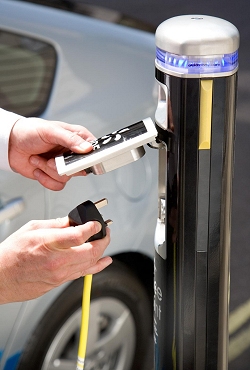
(119, 330)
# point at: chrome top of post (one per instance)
(197, 46)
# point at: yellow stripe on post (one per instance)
(206, 97)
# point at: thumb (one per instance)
(71, 236)
(71, 139)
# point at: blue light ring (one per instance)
(207, 64)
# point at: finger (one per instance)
(52, 165)
(69, 237)
(63, 223)
(70, 139)
(48, 182)
(48, 167)
(75, 272)
(56, 223)
(92, 252)
(100, 265)
(70, 263)
(80, 130)
(85, 259)
(80, 173)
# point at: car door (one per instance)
(25, 82)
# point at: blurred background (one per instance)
(237, 12)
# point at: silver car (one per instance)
(60, 65)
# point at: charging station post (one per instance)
(196, 70)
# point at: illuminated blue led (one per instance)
(197, 64)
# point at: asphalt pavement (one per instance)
(237, 12)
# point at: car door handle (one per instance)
(11, 209)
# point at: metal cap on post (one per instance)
(197, 45)
(196, 70)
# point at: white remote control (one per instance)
(110, 151)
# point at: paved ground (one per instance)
(237, 12)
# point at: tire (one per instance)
(119, 330)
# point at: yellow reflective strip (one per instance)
(206, 96)
(239, 344)
(239, 317)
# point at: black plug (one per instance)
(88, 211)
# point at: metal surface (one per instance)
(118, 161)
(178, 35)
(197, 45)
(101, 203)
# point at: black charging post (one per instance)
(196, 70)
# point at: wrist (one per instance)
(12, 145)
(8, 120)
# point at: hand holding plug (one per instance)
(88, 211)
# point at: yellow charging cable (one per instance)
(84, 322)
(83, 213)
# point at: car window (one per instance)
(27, 68)
(97, 12)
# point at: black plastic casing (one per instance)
(85, 212)
(192, 283)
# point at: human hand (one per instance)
(35, 142)
(42, 255)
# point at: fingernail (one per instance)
(37, 173)
(34, 161)
(51, 164)
(108, 260)
(98, 226)
(85, 145)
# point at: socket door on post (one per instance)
(192, 282)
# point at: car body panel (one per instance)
(91, 55)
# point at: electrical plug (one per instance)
(88, 211)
